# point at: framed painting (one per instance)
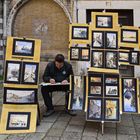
(111, 91)
(20, 96)
(97, 39)
(111, 79)
(12, 72)
(80, 32)
(129, 95)
(23, 47)
(30, 73)
(97, 58)
(134, 57)
(111, 39)
(104, 21)
(94, 109)
(85, 54)
(74, 53)
(124, 56)
(111, 110)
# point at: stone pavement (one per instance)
(61, 126)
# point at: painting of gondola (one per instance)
(20, 96)
(74, 53)
(12, 72)
(111, 107)
(18, 121)
(134, 57)
(30, 73)
(80, 32)
(129, 95)
(23, 47)
(94, 109)
(97, 39)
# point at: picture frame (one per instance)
(78, 92)
(12, 72)
(104, 21)
(23, 47)
(20, 96)
(80, 32)
(111, 109)
(94, 109)
(124, 56)
(98, 39)
(134, 57)
(84, 54)
(111, 79)
(97, 58)
(18, 120)
(74, 53)
(111, 91)
(129, 95)
(111, 40)
(111, 59)
(30, 73)
(129, 36)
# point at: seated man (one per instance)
(56, 71)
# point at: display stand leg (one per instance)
(102, 127)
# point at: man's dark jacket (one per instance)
(59, 75)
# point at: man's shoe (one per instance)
(71, 112)
(48, 113)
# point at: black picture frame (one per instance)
(109, 108)
(82, 32)
(78, 93)
(10, 125)
(75, 51)
(134, 57)
(111, 79)
(30, 73)
(111, 59)
(129, 95)
(124, 56)
(12, 72)
(104, 21)
(84, 54)
(131, 37)
(97, 62)
(16, 96)
(25, 47)
(98, 39)
(111, 40)
(96, 114)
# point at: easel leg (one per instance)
(102, 128)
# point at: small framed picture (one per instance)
(129, 36)
(23, 47)
(97, 58)
(94, 111)
(20, 96)
(78, 84)
(98, 39)
(111, 91)
(18, 121)
(30, 73)
(85, 54)
(129, 95)
(111, 39)
(74, 53)
(12, 72)
(111, 59)
(134, 57)
(111, 79)
(95, 78)
(104, 21)
(124, 56)
(80, 32)
(96, 90)
(111, 109)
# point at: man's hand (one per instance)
(52, 81)
(64, 82)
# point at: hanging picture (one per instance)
(111, 110)
(94, 109)
(20, 96)
(23, 47)
(134, 57)
(97, 39)
(97, 59)
(12, 72)
(111, 59)
(74, 53)
(111, 39)
(85, 54)
(78, 92)
(80, 32)
(30, 73)
(129, 95)
(124, 56)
